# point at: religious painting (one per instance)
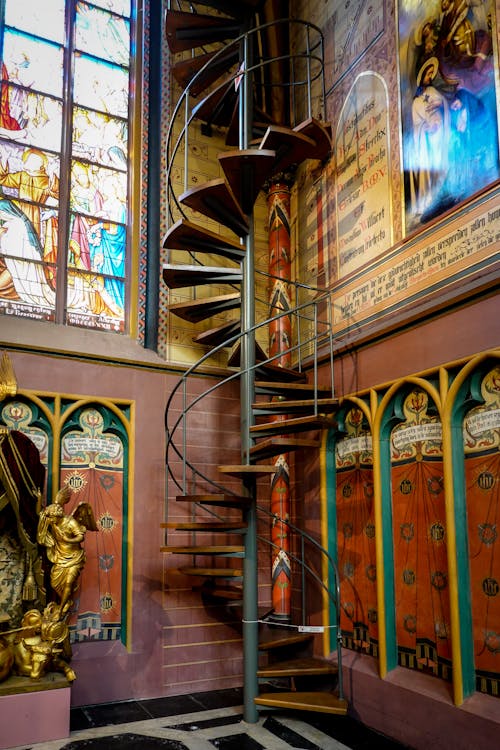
(448, 104)
(482, 469)
(63, 245)
(419, 535)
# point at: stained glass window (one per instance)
(66, 88)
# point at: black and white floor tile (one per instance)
(209, 721)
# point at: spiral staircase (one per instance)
(238, 77)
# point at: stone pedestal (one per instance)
(34, 711)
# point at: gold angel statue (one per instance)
(63, 536)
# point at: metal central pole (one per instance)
(247, 388)
(250, 591)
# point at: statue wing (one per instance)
(8, 382)
(84, 514)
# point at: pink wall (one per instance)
(106, 671)
(451, 337)
(417, 709)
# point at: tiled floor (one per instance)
(207, 721)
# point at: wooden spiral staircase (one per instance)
(226, 82)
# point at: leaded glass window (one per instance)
(66, 92)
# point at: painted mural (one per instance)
(419, 529)
(92, 463)
(356, 535)
(379, 225)
(448, 104)
(364, 215)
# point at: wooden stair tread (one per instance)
(208, 549)
(263, 611)
(297, 667)
(261, 122)
(289, 426)
(240, 9)
(321, 134)
(234, 359)
(278, 388)
(217, 335)
(186, 235)
(276, 445)
(204, 526)
(258, 131)
(176, 276)
(323, 405)
(200, 309)
(227, 593)
(246, 170)
(291, 146)
(281, 374)
(327, 703)
(191, 570)
(246, 469)
(184, 30)
(218, 106)
(223, 501)
(216, 200)
(189, 72)
(271, 638)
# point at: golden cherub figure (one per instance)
(63, 536)
(38, 647)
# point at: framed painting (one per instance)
(447, 64)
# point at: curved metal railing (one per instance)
(305, 68)
(306, 313)
(330, 587)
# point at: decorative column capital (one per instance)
(283, 179)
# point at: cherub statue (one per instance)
(63, 535)
(38, 645)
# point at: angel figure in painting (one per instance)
(63, 536)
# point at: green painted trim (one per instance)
(331, 524)
(392, 415)
(125, 544)
(467, 397)
(462, 557)
(388, 547)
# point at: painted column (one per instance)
(280, 336)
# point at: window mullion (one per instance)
(65, 167)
